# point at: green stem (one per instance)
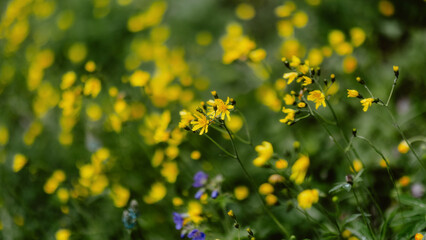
(246, 127)
(371, 94)
(280, 226)
(235, 135)
(395, 123)
(391, 92)
(363, 215)
(220, 147)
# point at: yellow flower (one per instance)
(318, 97)
(4, 135)
(245, 11)
(62, 234)
(366, 103)
(266, 189)
(177, 201)
(241, 192)
(158, 191)
(404, 181)
(271, 199)
(120, 195)
(195, 155)
(346, 233)
(306, 80)
(353, 93)
(222, 108)
(403, 147)
(265, 152)
(195, 211)
(395, 68)
(92, 87)
(357, 165)
(290, 76)
(170, 171)
(19, 162)
(257, 55)
(281, 164)
(185, 118)
(299, 169)
(308, 197)
(68, 80)
(290, 115)
(90, 66)
(289, 99)
(200, 123)
(301, 104)
(418, 236)
(231, 213)
(139, 78)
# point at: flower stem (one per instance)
(391, 92)
(280, 226)
(220, 147)
(363, 215)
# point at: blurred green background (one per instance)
(90, 95)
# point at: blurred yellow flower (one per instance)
(4, 135)
(195, 155)
(19, 162)
(289, 118)
(271, 199)
(195, 211)
(63, 195)
(357, 165)
(265, 152)
(289, 99)
(335, 37)
(418, 236)
(349, 64)
(300, 19)
(92, 87)
(245, 11)
(90, 66)
(120, 195)
(352, 93)
(386, 8)
(77, 52)
(158, 192)
(299, 169)
(170, 171)
(403, 147)
(241, 192)
(177, 201)
(68, 80)
(357, 36)
(306, 198)
(285, 28)
(203, 38)
(404, 181)
(257, 55)
(62, 234)
(290, 76)
(266, 188)
(139, 78)
(94, 112)
(281, 164)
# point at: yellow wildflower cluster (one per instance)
(218, 109)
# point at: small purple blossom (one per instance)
(200, 178)
(214, 194)
(178, 219)
(197, 235)
(199, 193)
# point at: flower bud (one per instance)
(396, 71)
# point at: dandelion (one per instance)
(308, 197)
(366, 103)
(201, 122)
(265, 152)
(318, 97)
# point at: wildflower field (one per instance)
(212, 119)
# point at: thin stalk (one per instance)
(363, 215)
(371, 94)
(235, 135)
(246, 127)
(391, 92)
(280, 226)
(220, 147)
(395, 123)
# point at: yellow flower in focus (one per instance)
(290, 76)
(404, 181)
(222, 108)
(139, 78)
(403, 147)
(4, 135)
(92, 87)
(19, 162)
(120, 195)
(318, 97)
(352, 93)
(289, 118)
(281, 164)
(299, 169)
(266, 188)
(271, 199)
(357, 165)
(158, 192)
(245, 11)
(366, 103)
(241, 192)
(265, 152)
(306, 198)
(257, 55)
(62, 234)
(201, 122)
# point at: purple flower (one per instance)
(178, 219)
(200, 178)
(215, 193)
(199, 193)
(197, 235)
